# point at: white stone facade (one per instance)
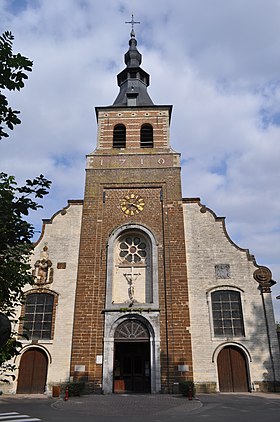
(61, 235)
(215, 262)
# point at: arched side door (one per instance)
(232, 370)
(32, 372)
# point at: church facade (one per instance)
(137, 288)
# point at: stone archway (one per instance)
(149, 350)
(132, 294)
(32, 372)
(232, 370)
(132, 358)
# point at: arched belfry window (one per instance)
(119, 136)
(132, 279)
(146, 136)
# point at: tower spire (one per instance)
(133, 81)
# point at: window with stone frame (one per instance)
(38, 316)
(227, 313)
(132, 270)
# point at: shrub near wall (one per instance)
(74, 388)
(187, 388)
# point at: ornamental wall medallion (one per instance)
(263, 276)
(43, 272)
(222, 271)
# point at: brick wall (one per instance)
(158, 183)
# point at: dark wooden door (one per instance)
(132, 367)
(232, 370)
(32, 372)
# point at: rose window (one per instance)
(133, 249)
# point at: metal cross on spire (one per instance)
(132, 22)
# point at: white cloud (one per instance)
(219, 67)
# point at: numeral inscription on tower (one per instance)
(128, 162)
(122, 161)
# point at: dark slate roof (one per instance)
(133, 80)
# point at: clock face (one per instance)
(132, 204)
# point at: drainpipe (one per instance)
(165, 295)
(278, 330)
(269, 341)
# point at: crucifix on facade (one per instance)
(131, 278)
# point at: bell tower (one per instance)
(131, 325)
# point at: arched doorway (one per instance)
(232, 370)
(132, 358)
(32, 372)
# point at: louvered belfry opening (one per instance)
(119, 136)
(146, 137)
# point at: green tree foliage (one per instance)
(7, 369)
(16, 234)
(12, 77)
(16, 245)
(16, 202)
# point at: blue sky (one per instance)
(220, 68)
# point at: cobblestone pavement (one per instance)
(128, 404)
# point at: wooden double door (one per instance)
(32, 372)
(132, 367)
(232, 370)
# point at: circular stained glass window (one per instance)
(133, 249)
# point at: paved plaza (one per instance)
(259, 407)
(128, 404)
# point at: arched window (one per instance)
(119, 136)
(146, 136)
(227, 313)
(132, 268)
(132, 281)
(131, 330)
(38, 316)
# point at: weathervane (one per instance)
(132, 22)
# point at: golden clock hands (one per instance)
(132, 208)
(131, 204)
